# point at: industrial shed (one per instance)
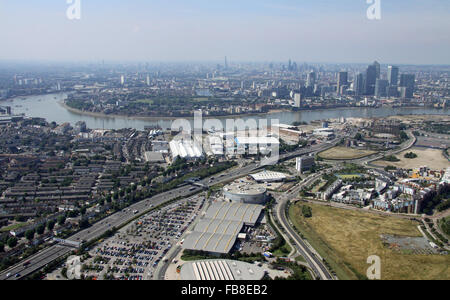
(218, 230)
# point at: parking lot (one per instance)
(136, 250)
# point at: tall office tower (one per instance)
(342, 81)
(122, 80)
(358, 84)
(407, 85)
(298, 100)
(378, 69)
(226, 63)
(370, 80)
(317, 88)
(294, 66)
(392, 91)
(148, 80)
(311, 80)
(393, 75)
(381, 87)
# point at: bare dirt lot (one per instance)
(432, 158)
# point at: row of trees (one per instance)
(437, 200)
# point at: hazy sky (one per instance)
(409, 32)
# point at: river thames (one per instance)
(49, 107)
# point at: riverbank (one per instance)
(52, 108)
(156, 118)
(234, 116)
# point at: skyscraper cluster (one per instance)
(370, 83)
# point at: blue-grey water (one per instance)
(48, 107)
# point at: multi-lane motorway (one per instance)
(44, 257)
(316, 264)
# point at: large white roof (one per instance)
(260, 140)
(218, 230)
(268, 175)
(220, 270)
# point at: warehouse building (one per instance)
(255, 145)
(269, 176)
(218, 230)
(221, 270)
(154, 157)
(185, 149)
(324, 133)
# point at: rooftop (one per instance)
(221, 270)
(268, 176)
(244, 188)
(218, 229)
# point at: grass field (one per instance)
(12, 227)
(432, 158)
(344, 153)
(348, 176)
(318, 186)
(283, 252)
(346, 238)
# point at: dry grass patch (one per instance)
(344, 153)
(345, 238)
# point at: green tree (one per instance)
(12, 242)
(61, 220)
(84, 223)
(403, 135)
(50, 225)
(40, 229)
(29, 234)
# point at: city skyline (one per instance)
(409, 32)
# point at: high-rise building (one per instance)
(408, 82)
(311, 80)
(342, 81)
(370, 80)
(377, 69)
(381, 88)
(358, 84)
(393, 75)
(304, 163)
(148, 80)
(392, 91)
(122, 79)
(298, 100)
(226, 63)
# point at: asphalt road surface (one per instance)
(316, 264)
